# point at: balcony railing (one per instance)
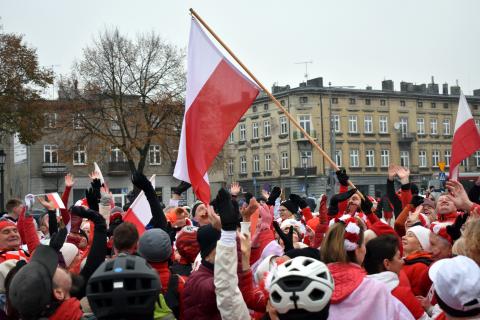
(118, 168)
(406, 137)
(308, 171)
(297, 135)
(54, 169)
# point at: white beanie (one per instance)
(423, 235)
(69, 252)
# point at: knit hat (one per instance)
(428, 202)
(195, 206)
(422, 235)
(69, 252)
(5, 268)
(440, 229)
(116, 209)
(207, 237)
(187, 244)
(154, 245)
(6, 223)
(290, 205)
(417, 200)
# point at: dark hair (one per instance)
(379, 249)
(11, 204)
(125, 236)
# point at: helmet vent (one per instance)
(316, 294)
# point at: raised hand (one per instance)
(276, 192)
(226, 211)
(392, 171)
(141, 182)
(250, 209)
(366, 205)
(47, 204)
(403, 174)
(458, 195)
(69, 180)
(286, 238)
(342, 177)
(214, 218)
(235, 189)
(299, 201)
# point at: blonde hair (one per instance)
(472, 239)
(333, 248)
(458, 247)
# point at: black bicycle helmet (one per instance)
(123, 288)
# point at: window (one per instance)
(334, 100)
(422, 159)
(154, 155)
(368, 124)
(256, 163)
(243, 132)
(402, 103)
(433, 105)
(445, 106)
(370, 158)
(446, 127)
(266, 128)
(385, 158)
(383, 124)
(303, 100)
(435, 158)
(338, 157)
(243, 165)
(447, 158)
(404, 126)
(368, 102)
(383, 102)
(352, 124)
(80, 155)
(115, 126)
(421, 126)
(336, 122)
(351, 101)
(255, 130)
(284, 158)
(230, 167)
(231, 139)
(306, 159)
(477, 158)
(268, 162)
(265, 106)
(283, 125)
(405, 159)
(420, 104)
(305, 123)
(254, 108)
(433, 126)
(464, 163)
(354, 161)
(50, 120)
(77, 122)
(50, 153)
(116, 155)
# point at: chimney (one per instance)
(476, 92)
(387, 85)
(455, 90)
(315, 82)
(445, 89)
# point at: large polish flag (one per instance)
(218, 94)
(139, 212)
(466, 138)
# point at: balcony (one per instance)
(118, 168)
(299, 136)
(308, 171)
(54, 169)
(406, 138)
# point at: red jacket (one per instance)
(255, 298)
(416, 268)
(199, 296)
(406, 296)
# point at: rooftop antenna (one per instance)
(306, 63)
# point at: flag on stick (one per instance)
(54, 197)
(139, 212)
(218, 94)
(466, 138)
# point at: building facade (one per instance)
(368, 129)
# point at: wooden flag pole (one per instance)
(270, 95)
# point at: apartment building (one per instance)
(368, 128)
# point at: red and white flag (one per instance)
(56, 200)
(139, 212)
(466, 138)
(218, 94)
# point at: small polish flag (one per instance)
(96, 168)
(217, 96)
(139, 212)
(466, 138)
(56, 200)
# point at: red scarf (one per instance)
(69, 309)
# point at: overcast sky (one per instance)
(353, 42)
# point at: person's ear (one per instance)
(386, 264)
(58, 294)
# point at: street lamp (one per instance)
(3, 157)
(305, 168)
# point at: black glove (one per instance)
(141, 182)
(181, 188)
(248, 196)
(342, 177)
(298, 200)
(276, 191)
(454, 230)
(92, 199)
(224, 206)
(366, 205)
(336, 199)
(286, 238)
(113, 225)
(58, 239)
(89, 214)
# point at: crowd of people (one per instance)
(246, 257)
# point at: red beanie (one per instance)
(187, 244)
(6, 223)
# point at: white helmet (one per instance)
(301, 283)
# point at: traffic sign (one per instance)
(442, 176)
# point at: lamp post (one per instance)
(3, 157)
(305, 168)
